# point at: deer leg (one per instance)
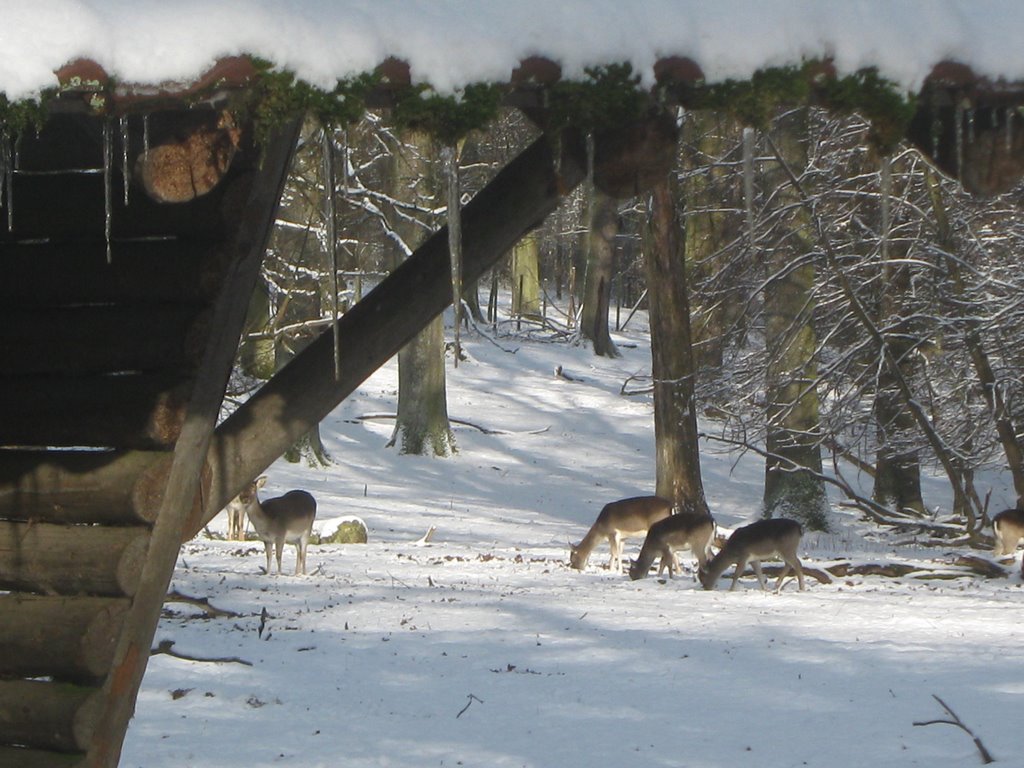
(615, 546)
(794, 563)
(267, 545)
(756, 565)
(741, 566)
(278, 551)
(786, 568)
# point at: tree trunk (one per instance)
(897, 466)
(526, 277)
(793, 487)
(422, 425)
(603, 226)
(675, 419)
(710, 193)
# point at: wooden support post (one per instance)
(183, 483)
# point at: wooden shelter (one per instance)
(124, 285)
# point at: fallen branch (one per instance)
(472, 698)
(202, 603)
(167, 646)
(460, 422)
(986, 757)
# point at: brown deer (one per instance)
(235, 510)
(684, 529)
(284, 519)
(1008, 527)
(617, 521)
(755, 542)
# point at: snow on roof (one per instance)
(451, 43)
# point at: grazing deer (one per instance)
(684, 529)
(1008, 526)
(779, 536)
(287, 518)
(235, 510)
(617, 521)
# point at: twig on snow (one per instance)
(471, 698)
(986, 757)
(167, 646)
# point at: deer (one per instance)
(1008, 527)
(235, 510)
(755, 542)
(617, 521)
(284, 519)
(683, 529)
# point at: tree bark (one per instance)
(675, 419)
(597, 290)
(793, 430)
(422, 425)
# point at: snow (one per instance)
(450, 43)
(483, 648)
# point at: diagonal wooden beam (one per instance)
(305, 391)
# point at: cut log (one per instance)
(109, 487)
(130, 411)
(141, 338)
(17, 757)
(70, 639)
(44, 715)
(71, 559)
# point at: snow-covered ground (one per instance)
(483, 648)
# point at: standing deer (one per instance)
(617, 521)
(284, 519)
(765, 538)
(1008, 526)
(235, 510)
(684, 529)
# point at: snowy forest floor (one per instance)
(483, 648)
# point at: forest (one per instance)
(837, 307)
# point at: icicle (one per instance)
(748, 180)
(959, 139)
(107, 192)
(1009, 128)
(886, 199)
(344, 165)
(125, 175)
(11, 160)
(145, 134)
(450, 157)
(332, 239)
(970, 125)
(5, 174)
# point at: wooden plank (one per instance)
(53, 274)
(70, 639)
(178, 506)
(19, 757)
(90, 339)
(72, 559)
(46, 715)
(108, 487)
(141, 411)
(305, 391)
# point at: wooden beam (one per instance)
(47, 715)
(70, 639)
(108, 487)
(518, 200)
(72, 559)
(247, 245)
